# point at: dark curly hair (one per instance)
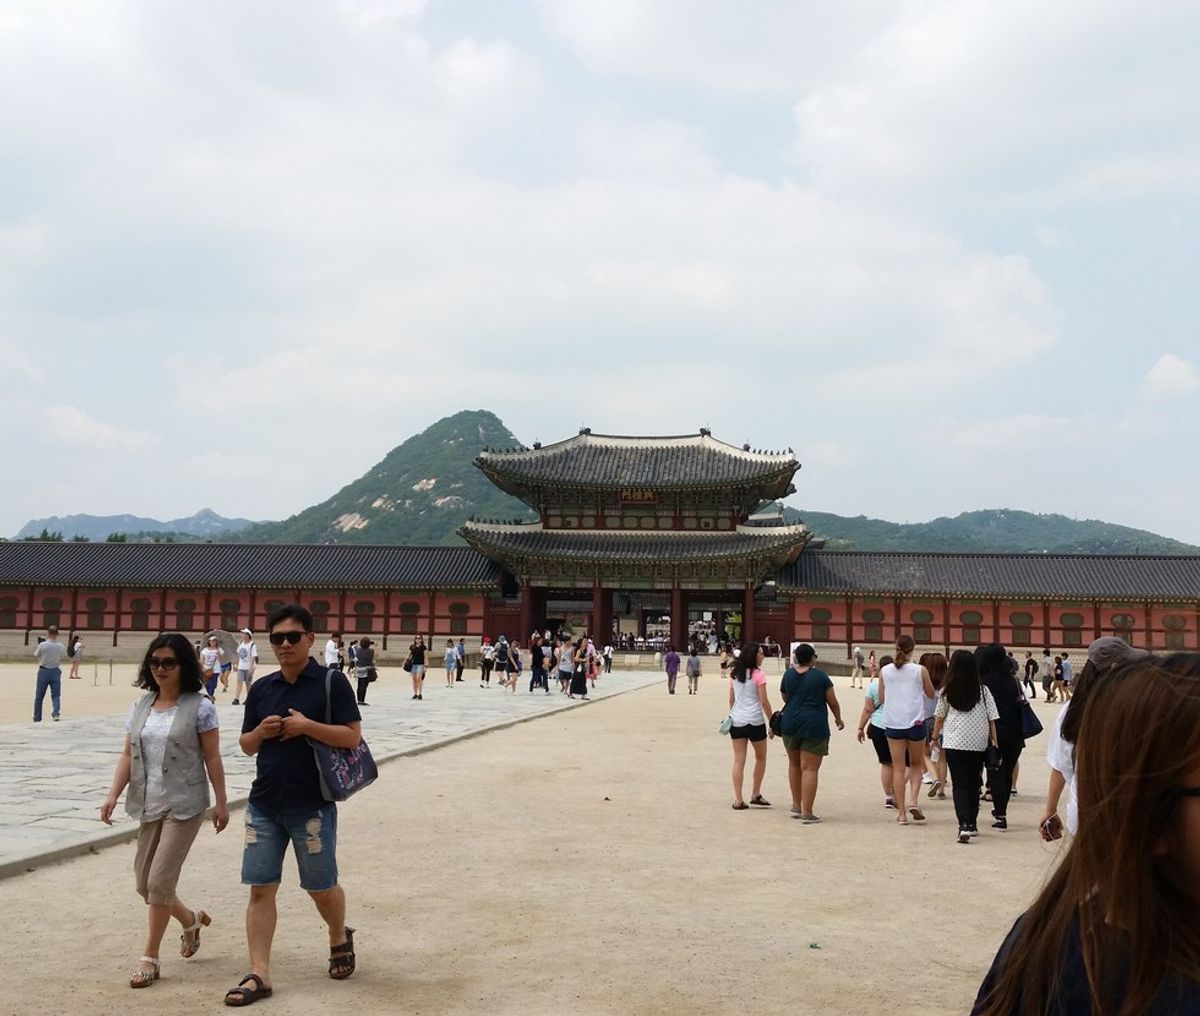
(189, 664)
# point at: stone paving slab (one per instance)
(57, 774)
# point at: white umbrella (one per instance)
(226, 640)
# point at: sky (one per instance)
(945, 251)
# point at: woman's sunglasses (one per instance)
(165, 663)
(278, 638)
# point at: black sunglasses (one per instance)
(278, 638)
(166, 663)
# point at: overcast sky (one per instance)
(945, 251)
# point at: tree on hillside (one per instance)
(80, 539)
(45, 536)
(117, 538)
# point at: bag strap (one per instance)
(328, 696)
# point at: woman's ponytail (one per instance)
(905, 647)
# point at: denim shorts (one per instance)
(913, 733)
(313, 836)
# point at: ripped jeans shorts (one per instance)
(313, 836)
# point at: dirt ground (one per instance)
(91, 695)
(587, 862)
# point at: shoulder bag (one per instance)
(991, 757)
(343, 771)
(726, 725)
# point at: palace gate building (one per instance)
(628, 529)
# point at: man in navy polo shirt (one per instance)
(286, 804)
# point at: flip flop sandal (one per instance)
(144, 978)
(917, 814)
(743, 806)
(761, 801)
(934, 787)
(341, 958)
(189, 947)
(241, 995)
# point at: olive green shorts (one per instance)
(812, 745)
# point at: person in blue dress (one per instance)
(808, 698)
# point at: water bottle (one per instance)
(935, 752)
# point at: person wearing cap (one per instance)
(49, 654)
(247, 654)
(487, 659)
(1103, 655)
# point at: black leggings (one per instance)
(999, 781)
(966, 774)
(363, 685)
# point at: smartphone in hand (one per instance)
(1052, 829)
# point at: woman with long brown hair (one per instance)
(749, 711)
(964, 726)
(935, 771)
(1116, 929)
(903, 688)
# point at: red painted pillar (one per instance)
(679, 625)
(600, 601)
(526, 615)
(748, 613)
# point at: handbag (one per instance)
(776, 722)
(1031, 726)
(372, 674)
(407, 664)
(991, 756)
(342, 771)
(726, 725)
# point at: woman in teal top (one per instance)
(808, 698)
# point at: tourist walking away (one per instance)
(49, 654)
(903, 688)
(173, 718)
(247, 660)
(450, 662)
(538, 654)
(210, 663)
(579, 665)
(1047, 673)
(566, 665)
(808, 698)
(856, 672)
(1031, 671)
(693, 671)
(964, 725)
(75, 652)
(996, 675)
(285, 711)
(1103, 656)
(502, 660)
(364, 668)
(1113, 929)
(487, 659)
(608, 658)
(870, 724)
(935, 769)
(671, 664)
(461, 651)
(514, 667)
(416, 666)
(1066, 676)
(749, 711)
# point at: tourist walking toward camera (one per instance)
(964, 725)
(450, 662)
(693, 671)
(364, 668)
(671, 664)
(808, 698)
(284, 711)
(1114, 928)
(75, 651)
(415, 665)
(903, 688)
(247, 660)
(856, 673)
(995, 673)
(49, 654)
(174, 718)
(749, 711)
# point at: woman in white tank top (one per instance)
(903, 688)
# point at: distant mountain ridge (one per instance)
(423, 490)
(205, 524)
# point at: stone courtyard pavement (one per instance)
(57, 774)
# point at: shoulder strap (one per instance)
(328, 702)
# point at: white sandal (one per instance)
(189, 949)
(144, 978)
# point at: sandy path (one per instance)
(581, 863)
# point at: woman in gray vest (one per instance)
(172, 751)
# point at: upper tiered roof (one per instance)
(608, 462)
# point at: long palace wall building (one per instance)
(629, 528)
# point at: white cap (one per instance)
(247, 631)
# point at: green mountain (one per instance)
(995, 530)
(420, 493)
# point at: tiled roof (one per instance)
(604, 461)
(531, 540)
(1059, 576)
(223, 564)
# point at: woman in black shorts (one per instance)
(749, 708)
(870, 724)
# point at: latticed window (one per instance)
(873, 619)
(8, 611)
(231, 610)
(184, 615)
(410, 613)
(51, 606)
(820, 623)
(458, 618)
(95, 611)
(364, 616)
(1123, 626)
(922, 621)
(1072, 629)
(271, 606)
(1022, 628)
(320, 614)
(139, 614)
(1176, 626)
(972, 626)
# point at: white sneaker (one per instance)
(927, 779)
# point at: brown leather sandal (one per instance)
(241, 995)
(341, 958)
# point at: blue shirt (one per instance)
(286, 779)
(806, 713)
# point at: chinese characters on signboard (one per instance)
(637, 495)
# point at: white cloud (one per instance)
(69, 425)
(1171, 375)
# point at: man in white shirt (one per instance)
(247, 659)
(331, 650)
